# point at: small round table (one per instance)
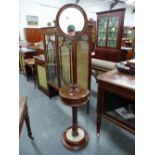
(74, 95)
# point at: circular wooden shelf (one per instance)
(74, 95)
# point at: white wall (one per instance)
(129, 16)
(48, 14)
(45, 15)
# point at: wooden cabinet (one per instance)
(33, 35)
(109, 34)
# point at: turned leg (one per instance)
(98, 124)
(33, 74)
(100, 99)
(26, 73)
(88, 107)
(27, 121)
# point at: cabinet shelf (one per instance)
(129, 122)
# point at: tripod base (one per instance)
(75, 142)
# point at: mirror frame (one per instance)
(58, 24)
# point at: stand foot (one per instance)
(75, 142)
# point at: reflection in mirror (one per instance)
(68, 24)
(71, 30)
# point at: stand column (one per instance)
(74, 123)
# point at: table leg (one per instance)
(26, 72)
(98, 125)
(34, 78)
(99, 109)
(27, 121)
(88, 103)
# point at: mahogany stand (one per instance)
(73, 95)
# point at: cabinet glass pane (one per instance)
(65, 61)
(102, 27)
(42, 76)
(83, 61)
(112, 31)
(51, 58)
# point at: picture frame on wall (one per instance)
(32, 20)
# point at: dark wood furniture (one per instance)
(33, 35)
(26, 53)
(30, 64)
(74, 95)
(126, 53)
(23, 116)
(109, 34)
(115, 90)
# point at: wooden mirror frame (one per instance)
(58, 24)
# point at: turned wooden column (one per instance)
(74, 122)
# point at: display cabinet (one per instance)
(59, 59)
(109, 34)
(51, 58)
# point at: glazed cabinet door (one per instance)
(51, 58)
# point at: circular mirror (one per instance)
(71, 21)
